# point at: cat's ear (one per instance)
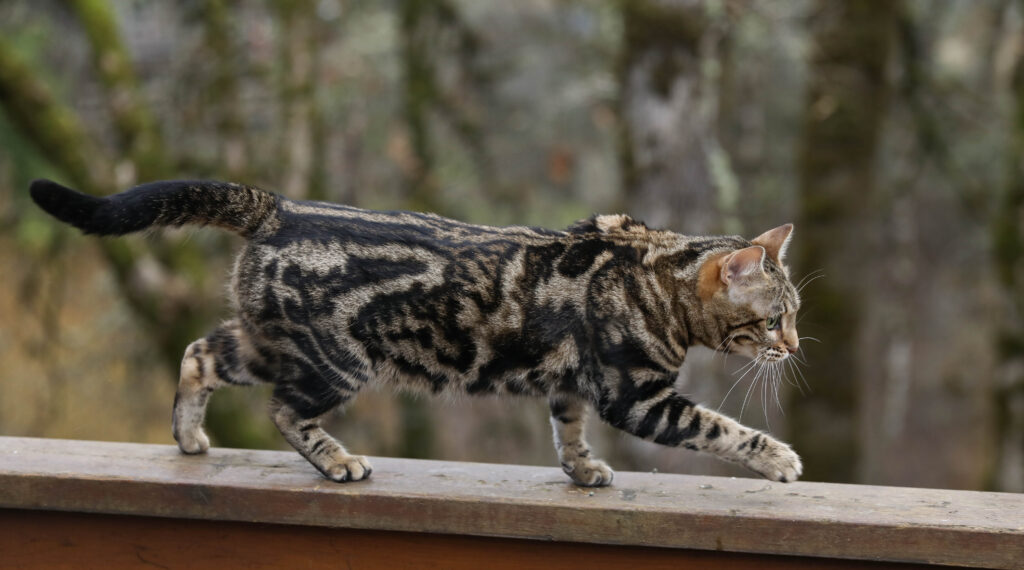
(742, 264)
(775, 241)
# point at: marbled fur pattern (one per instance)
(597, 317)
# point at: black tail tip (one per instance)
(65, 204)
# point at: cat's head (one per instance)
(749, 299)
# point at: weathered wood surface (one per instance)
(643, 509)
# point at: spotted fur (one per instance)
(598, 317)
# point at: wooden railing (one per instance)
(80, 504)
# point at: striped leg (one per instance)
(316, 445)
(209, 363)
(654, 411)
(568, 420)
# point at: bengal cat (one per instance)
(598, 316)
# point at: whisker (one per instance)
(807, 280)
(724, 341)
(799, 357)
(760, 371)
(740, 379)
(778, 384)
(745, 370)
(800, 373)
(746, 367)
(792, 380)
(764, 395)
(819, 271)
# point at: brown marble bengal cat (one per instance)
(598, 316)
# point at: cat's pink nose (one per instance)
(792, 348)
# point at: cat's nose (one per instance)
(792, 348)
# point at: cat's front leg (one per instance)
(568, 420)
(756, 450)
(654, 411)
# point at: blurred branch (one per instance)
(136, 127)
(53, 128)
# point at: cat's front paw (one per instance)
(776, 461)
(351, 468)
(587, 472)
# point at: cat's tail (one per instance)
(242, 209)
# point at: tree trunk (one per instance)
(667, 179)
(440, 78)
(300, 62)
(1009, 262)
(223, 97)
(419, 94)
(846, 101)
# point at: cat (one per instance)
(598, 316)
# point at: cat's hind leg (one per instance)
(568, 421)
(209, 363)
(299, 417)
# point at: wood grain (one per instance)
(640, 509)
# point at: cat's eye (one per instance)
(773, 322)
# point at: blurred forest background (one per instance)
(890, 131)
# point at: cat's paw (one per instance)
(587, 472)
(776, 461)
(351, 468)
(193, 443)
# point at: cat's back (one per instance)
(323, 223)
(328, 254)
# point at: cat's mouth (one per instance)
(773, 354)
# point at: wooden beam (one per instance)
(640, 509)
(49, 540)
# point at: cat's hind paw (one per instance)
(587, 472)
(351, 468)
(193, 443)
